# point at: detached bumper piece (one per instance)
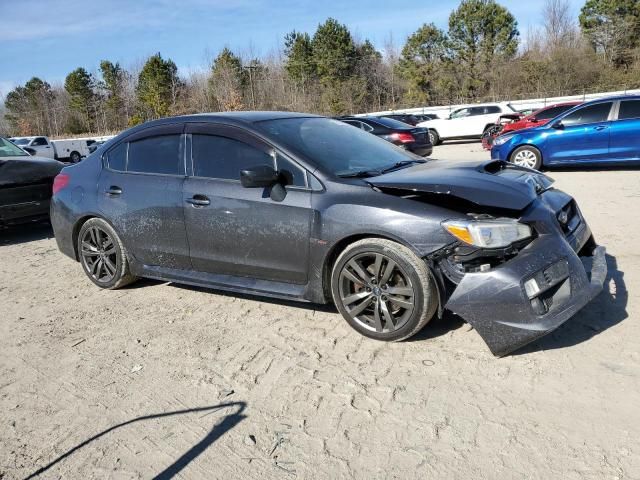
(530, 295)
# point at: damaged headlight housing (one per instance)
(492, 233)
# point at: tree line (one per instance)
(480, 56)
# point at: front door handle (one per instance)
(600, 127)
(199, 201)
(113, 191)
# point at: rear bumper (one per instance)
(424, 150)
(496, 304)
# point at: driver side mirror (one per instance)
(557, 125)
(533, 120)
(261, 176)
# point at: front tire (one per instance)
(383, 290)
(103, 256)
(527, 156)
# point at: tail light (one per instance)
(60, 182)
(403, 137)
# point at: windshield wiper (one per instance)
(359, 174)
(401, 164)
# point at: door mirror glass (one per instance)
(260, 176)
(558, 125)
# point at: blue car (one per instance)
(601, 132)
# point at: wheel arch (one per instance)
(78, 225)
(338, 247)
(526, 145)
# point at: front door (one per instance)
(140, 193)
(582, 136)
(241, 231)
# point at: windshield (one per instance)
(336, 147)
(8, 149)
(21, 141)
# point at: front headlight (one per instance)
(488, 233)
(502, 139)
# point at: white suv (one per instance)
(466, 122)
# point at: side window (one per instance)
(366, 127)
(589, 114)
(117, 157)
(159, 154)
(629, 109)
(463, 112)
(492, 109)
(222, 157)
(39, 142)
(295, 175)
(551, 112)
(477, 111)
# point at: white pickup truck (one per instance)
(72, 150)
(466, 122)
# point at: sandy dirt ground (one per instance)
(164, 380)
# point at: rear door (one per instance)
(140, 193)
(582, 136)
(240, 231)
(624, 142)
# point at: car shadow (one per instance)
(29, 232)
(605, 311)
(219, 429)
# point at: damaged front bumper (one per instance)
(531, 294)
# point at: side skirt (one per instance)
(227, 283)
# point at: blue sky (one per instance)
(49, 38)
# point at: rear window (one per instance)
(629, 109)
(391, 122)
(156, 155)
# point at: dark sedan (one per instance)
(414, 139)
(307, 208)
(25, 184)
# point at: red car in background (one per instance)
(535, 119)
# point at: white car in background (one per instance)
(72, 150)
(466, 122)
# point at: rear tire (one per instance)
(383, 290)
(526, 156)
(434, 138)
(102, 255)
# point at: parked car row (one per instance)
(414, 139)
(72, 150)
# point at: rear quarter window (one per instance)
(629, 109)
(117, 157)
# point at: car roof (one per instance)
(244, 117)
(613, 99)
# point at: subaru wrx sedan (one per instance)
(307, 208)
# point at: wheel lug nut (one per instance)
(384, 299)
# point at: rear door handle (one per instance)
(199, 201)
(600, 127)
(113, 190)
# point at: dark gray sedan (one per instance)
(307, 208)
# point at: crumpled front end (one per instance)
(539, 288)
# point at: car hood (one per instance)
(492, 184)
(27, 170)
